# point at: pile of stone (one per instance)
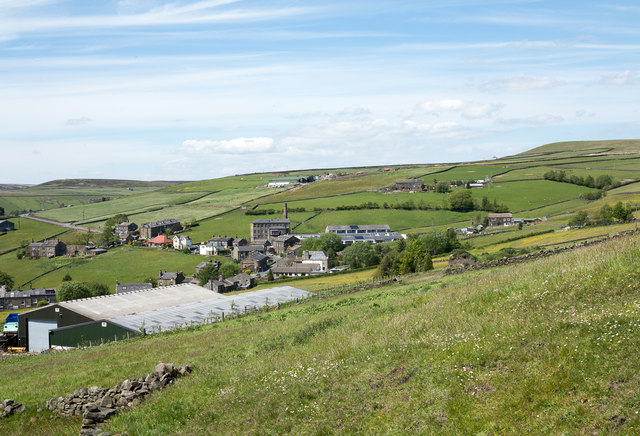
(97, 404)
(9, 407)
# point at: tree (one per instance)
(72, 291)
(97, 289)
(442, 187)
(229, 269)
(579, 220)
(360, 254)
(461, 200)
(621, 213)
(603, 181)
(67, 278)
(6, 280)
(438, 242)
(209, 272)
(109, 236)
(1, 211)
(42, 303)
(269, 276)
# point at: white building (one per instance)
(181, 242)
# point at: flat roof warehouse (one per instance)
(117, 316)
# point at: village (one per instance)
(272, 253)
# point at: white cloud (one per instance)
(467, 109)
(78, 121)
(232, 146)
(536, 120)
(627, 77)
(521, 83)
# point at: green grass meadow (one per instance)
(549, 347)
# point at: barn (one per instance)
(92, 321)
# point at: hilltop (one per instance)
(347, 196)
(103, 183)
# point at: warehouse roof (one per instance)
(115, 305)
(174, 317)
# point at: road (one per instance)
(56, 223)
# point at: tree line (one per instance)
(603, 181)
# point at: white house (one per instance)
(181, 242)
(212, 249)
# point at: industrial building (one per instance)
(92, 321)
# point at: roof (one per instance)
(130, 287)
(169, 275)
(272, 221)
(317, 255)
(128, 303)
(409, 181)
(257, 256)
(284, 238)
(171, 317)
(370, 237)
(501, 215)
(250, 248)
(359, 227)
(161, 223)
(30, 293)
(296, 268)
(161, 239)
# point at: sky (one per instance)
(192, 90)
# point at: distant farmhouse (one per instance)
(6, 226)
(50, 248)
(500, 219)
(281, 182)
(409, 184)
(151, 230)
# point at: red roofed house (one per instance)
(160, 240)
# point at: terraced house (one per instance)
(151, 230)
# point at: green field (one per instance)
(26, 231)
(131, 204)
(549, 347)
(125, 264)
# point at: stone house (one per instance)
(254, 262)
(203, 264)
(409, 184)
(49, 248)
(240, 253)
(170, 278)
(131, 287)
(319, 258)
(500, 219)
(24, 299)
(243, 281)
(124, 229)
(283, 242)
(151, 230)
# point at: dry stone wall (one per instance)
(97, 404)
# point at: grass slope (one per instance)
(549, 347)
(26, 230)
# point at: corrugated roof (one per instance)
(174, 317)
(115, 305)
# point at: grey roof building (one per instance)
(99, 319)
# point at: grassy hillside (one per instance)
(549, 347)
(615, 146)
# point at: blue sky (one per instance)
(186, 90)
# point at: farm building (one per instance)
(409, 184)
(377, 228)
(500, 219)
(6, 225)
(119, 316)
(373, 234)
(12, 300)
